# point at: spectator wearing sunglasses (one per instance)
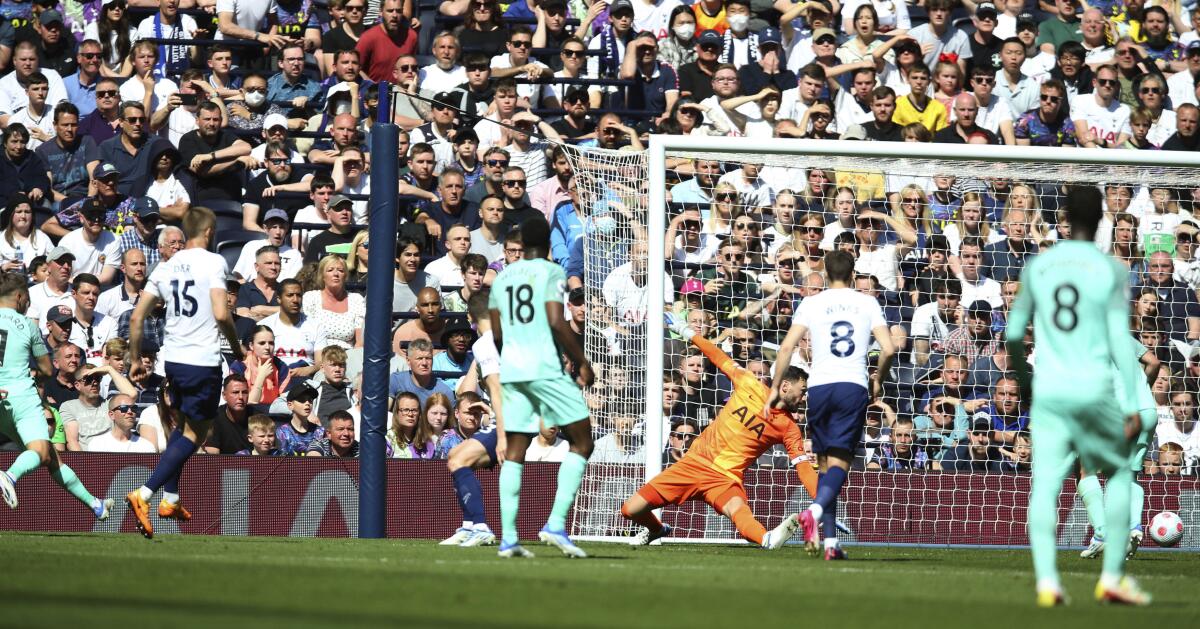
(103, 123)
(87, 416)
(121, 438)
(1101, 121)
(518, 64)
(576, 124)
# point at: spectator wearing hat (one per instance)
(118, 209)
(940, 39)
(466, 156)
(655, 84)
(695, 78)
(144, 235)
(974, 339)
(94, 248)
(341, 230)
(458, 336)
(69, 155)
(291, 84)
(56, 290)
(60, 320)
(55, 43)
(294, 436)
(439, 131)
(278, 229)
(1181, 86)
(611, 40)
(381, 45)
(976, 455)
(985, 44)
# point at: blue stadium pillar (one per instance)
(385, 168)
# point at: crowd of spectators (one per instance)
(119, 116)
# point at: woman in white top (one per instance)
(843, 215)
(969, 223)
(866, 43)
(338, 315)
(20, 242)
(116, 37)
(725, 208)
(890, 15)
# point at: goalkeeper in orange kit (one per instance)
(712, 468)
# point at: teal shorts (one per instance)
(558, 401)
(1093, 429)
(22, 419)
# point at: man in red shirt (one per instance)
(380, 46)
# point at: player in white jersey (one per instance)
(22, 411)
(840, 323)
(191, 285)
(485, 448)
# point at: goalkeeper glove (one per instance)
(678, 326)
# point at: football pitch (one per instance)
(182, 581)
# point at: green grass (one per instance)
(224, 582)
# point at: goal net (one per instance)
(730, 235)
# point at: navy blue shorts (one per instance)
(836, 415)
(488, 438)
(195, 391)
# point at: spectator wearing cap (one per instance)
(55, 44)
(985, 44)
(56, 290)
(976, 455)
(382, 44)
(60, 320)
(458, 336)
(974, 339)
(695, 78)
(25, 62)
(466, 156)
(291, 84)
(1062, 26)
(276, 128)
(144, 235)
(117, 209)
(121, 298)
(277, 226)
(944, 40)
(1181, 86)
(611, 40)
(265, 189)
(445, 73)
(340, 213)
(656, 85)
(69, 155)
(215, 156)
(440, 130)
(94, 248)
(294, 436)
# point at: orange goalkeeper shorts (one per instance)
(687, 480)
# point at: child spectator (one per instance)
(294, 436)
(335, 392)
(262, 437)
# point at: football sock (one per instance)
(169, 464)
(1116, 510)
(170, 497)
(570, 475)
(808, 476)
(66, 478)
(747, 526)
(1137, 501)
(1093, 500)
(172, 484)
(829, 523)
(828, 487)
(510, 496)
(470, 496)
(26, 462)
(1051, 463)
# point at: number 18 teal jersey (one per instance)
(520, 294)
(1077, 298)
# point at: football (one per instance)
(1166, 529)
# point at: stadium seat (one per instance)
(229, 214)
(231, 241)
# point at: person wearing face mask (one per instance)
(252, 112)
(679, 46)
(740, 45)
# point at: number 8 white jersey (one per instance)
(183, 284)
(839, 323)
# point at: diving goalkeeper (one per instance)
(712, 468)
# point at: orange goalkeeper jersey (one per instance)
(740, 434)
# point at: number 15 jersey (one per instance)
(839, 322)
(520, 294)
(183, 284)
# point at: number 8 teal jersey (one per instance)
(520, 294)
(1077, 297)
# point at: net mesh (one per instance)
(940, 243)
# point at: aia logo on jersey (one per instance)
(750, 420)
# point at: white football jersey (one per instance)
(839, 322)
(183, 284)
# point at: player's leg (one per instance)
(560, 403)
(464, 459)
(837, 469)
(843, 411)
(1137, 495)
(23, 420)
(29, 459)
(639, 508)
(65, 477)
(519, 428)
(1092, 495)
(732, 503)
(1052, 461)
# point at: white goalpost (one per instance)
(937, 232)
